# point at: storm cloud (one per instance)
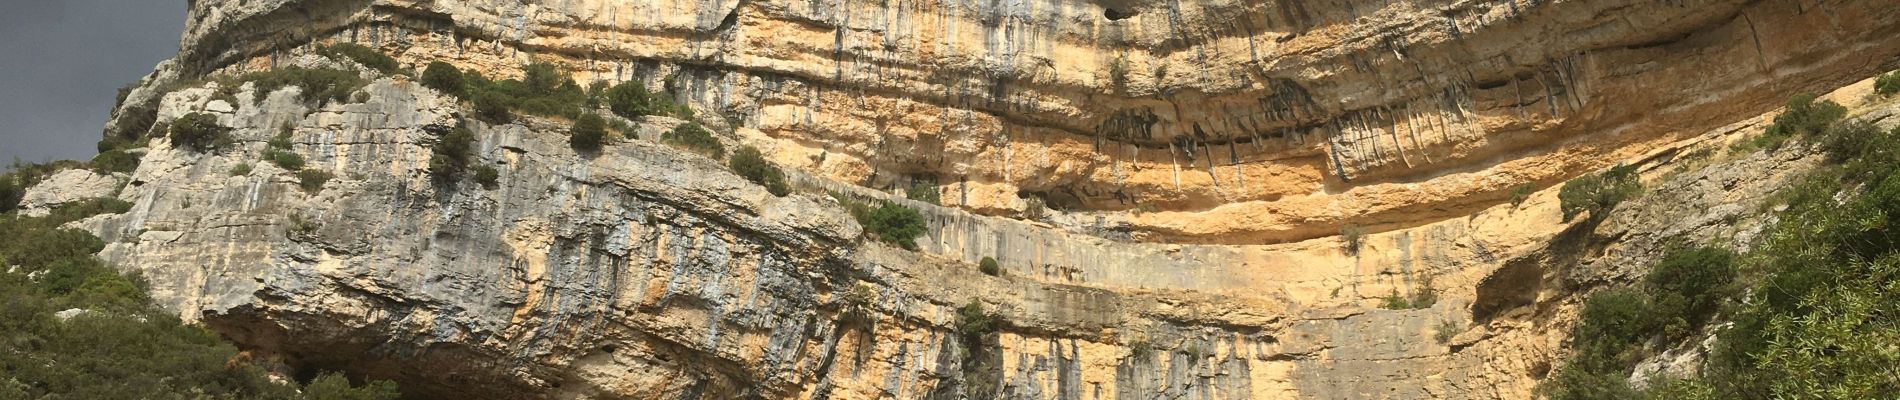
(62, 62)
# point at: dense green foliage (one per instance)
(444, 77)
(319, 84)
(119, 345)
(364, 55)
(198, 131)
(748, 162)
(924, 192)
(989, 267)
(1888, 84)
(279, 153)
(695, 138)
(488, 177)
(1599, 192)
(115, 160)
(311, 181)
(452, 153)
(1804, 116)
(632, 100)
(588, 134)
(1823, 286)
(241, 169)
(893, 223)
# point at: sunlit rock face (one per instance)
(1162, 183)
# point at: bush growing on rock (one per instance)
(198, 131)
(748, 162)
(1804, 116)
(450, 157)
(894, 223)
(115, 161)
(1888, 84)
(241, 169)
(488, 177)
(445, 78)
(492, 107)
(695, 138)
(364, 55)
(588, 133)
(1597, 193)
(312, 180)
(989, 267)
(924, 192)
(632, 100)
(319, 84)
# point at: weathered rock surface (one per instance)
(1253, 131)
(65, 187)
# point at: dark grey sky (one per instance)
(62, 62)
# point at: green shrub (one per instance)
(452, 154)
(973, 321)
(1351, 237)
(1394, 301)
(695, 138)
(364, 55)
(632, 100)
(312, 180)
(1804, 117)
(924, 192)
(445, 78)
(241, 169)
(493, 106)
(748, 162)
(11, 191)
(115, 161)
(587, 134)
(1599, 192)
(989, 267)
(1887, 84)
(1688, 286)
(893, 223)
(542, 79)
(198, 131)
(288, 160)
(319, 84)
(1520, 193)
(488, 177)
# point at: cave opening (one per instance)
(1116, 15)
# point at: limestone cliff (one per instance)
(1202, 157)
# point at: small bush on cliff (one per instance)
(695, 138)
(894, 223)
(1804, 117)
(588, 133)
(492, 106)
(450, 157)
(319, 84)
(488, 177)
(364, 55)
(632, 100)
(115, 161)
(312, 180)
(445, 78)
(924, 192)
(198, 131)
(1598, 193)
(748, 162)
(989, 267)
(1888, 84)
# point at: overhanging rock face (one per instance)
(1200, 154)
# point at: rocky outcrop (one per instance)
(1202, 157)
(66, 187)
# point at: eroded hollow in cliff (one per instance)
(1117, 15)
